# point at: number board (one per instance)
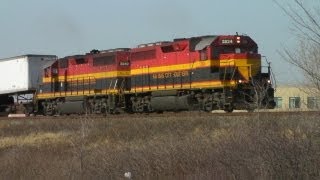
(226, 41)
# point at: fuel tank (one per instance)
(171, 103)
(71, 107)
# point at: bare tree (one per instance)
(305, 17)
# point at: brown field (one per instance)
(189, 145)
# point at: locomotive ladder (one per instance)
(114, 86)
(227, 70)
(121, 91)
(110, 85)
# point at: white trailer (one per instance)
(22, 74)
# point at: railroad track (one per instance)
(165, 114)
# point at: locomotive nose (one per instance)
(247, 65)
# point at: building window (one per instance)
(278, 101)
(313, 103)
(294, 102)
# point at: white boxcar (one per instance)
(22, 73)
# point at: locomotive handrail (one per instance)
(234, 72)
(91, 77)
(115, 84)
(270, 72)
(250, 71)
(109, 85)
(83, 85)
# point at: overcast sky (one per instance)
(66, 27)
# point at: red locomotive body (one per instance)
(206, 73)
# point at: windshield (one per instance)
(232, 50)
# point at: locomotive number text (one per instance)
(227, 41)
(170, 74)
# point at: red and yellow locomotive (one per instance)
(205, 73)
(85, 83)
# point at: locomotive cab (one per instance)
(238, 54)
(240, 62)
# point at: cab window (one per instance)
(232, 50)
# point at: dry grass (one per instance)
(165, 147)
(33, 139)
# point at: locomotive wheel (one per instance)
(250, 109)
(58, 113)
(228, 109)
(138, 108)
(103, 111)
(137, 105)
(48, 113)
(149, 108)
(208, 106)
(110, 110)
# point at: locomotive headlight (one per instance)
(238, 40)
(240, 81)
(269, 81)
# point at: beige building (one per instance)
(296, 98)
